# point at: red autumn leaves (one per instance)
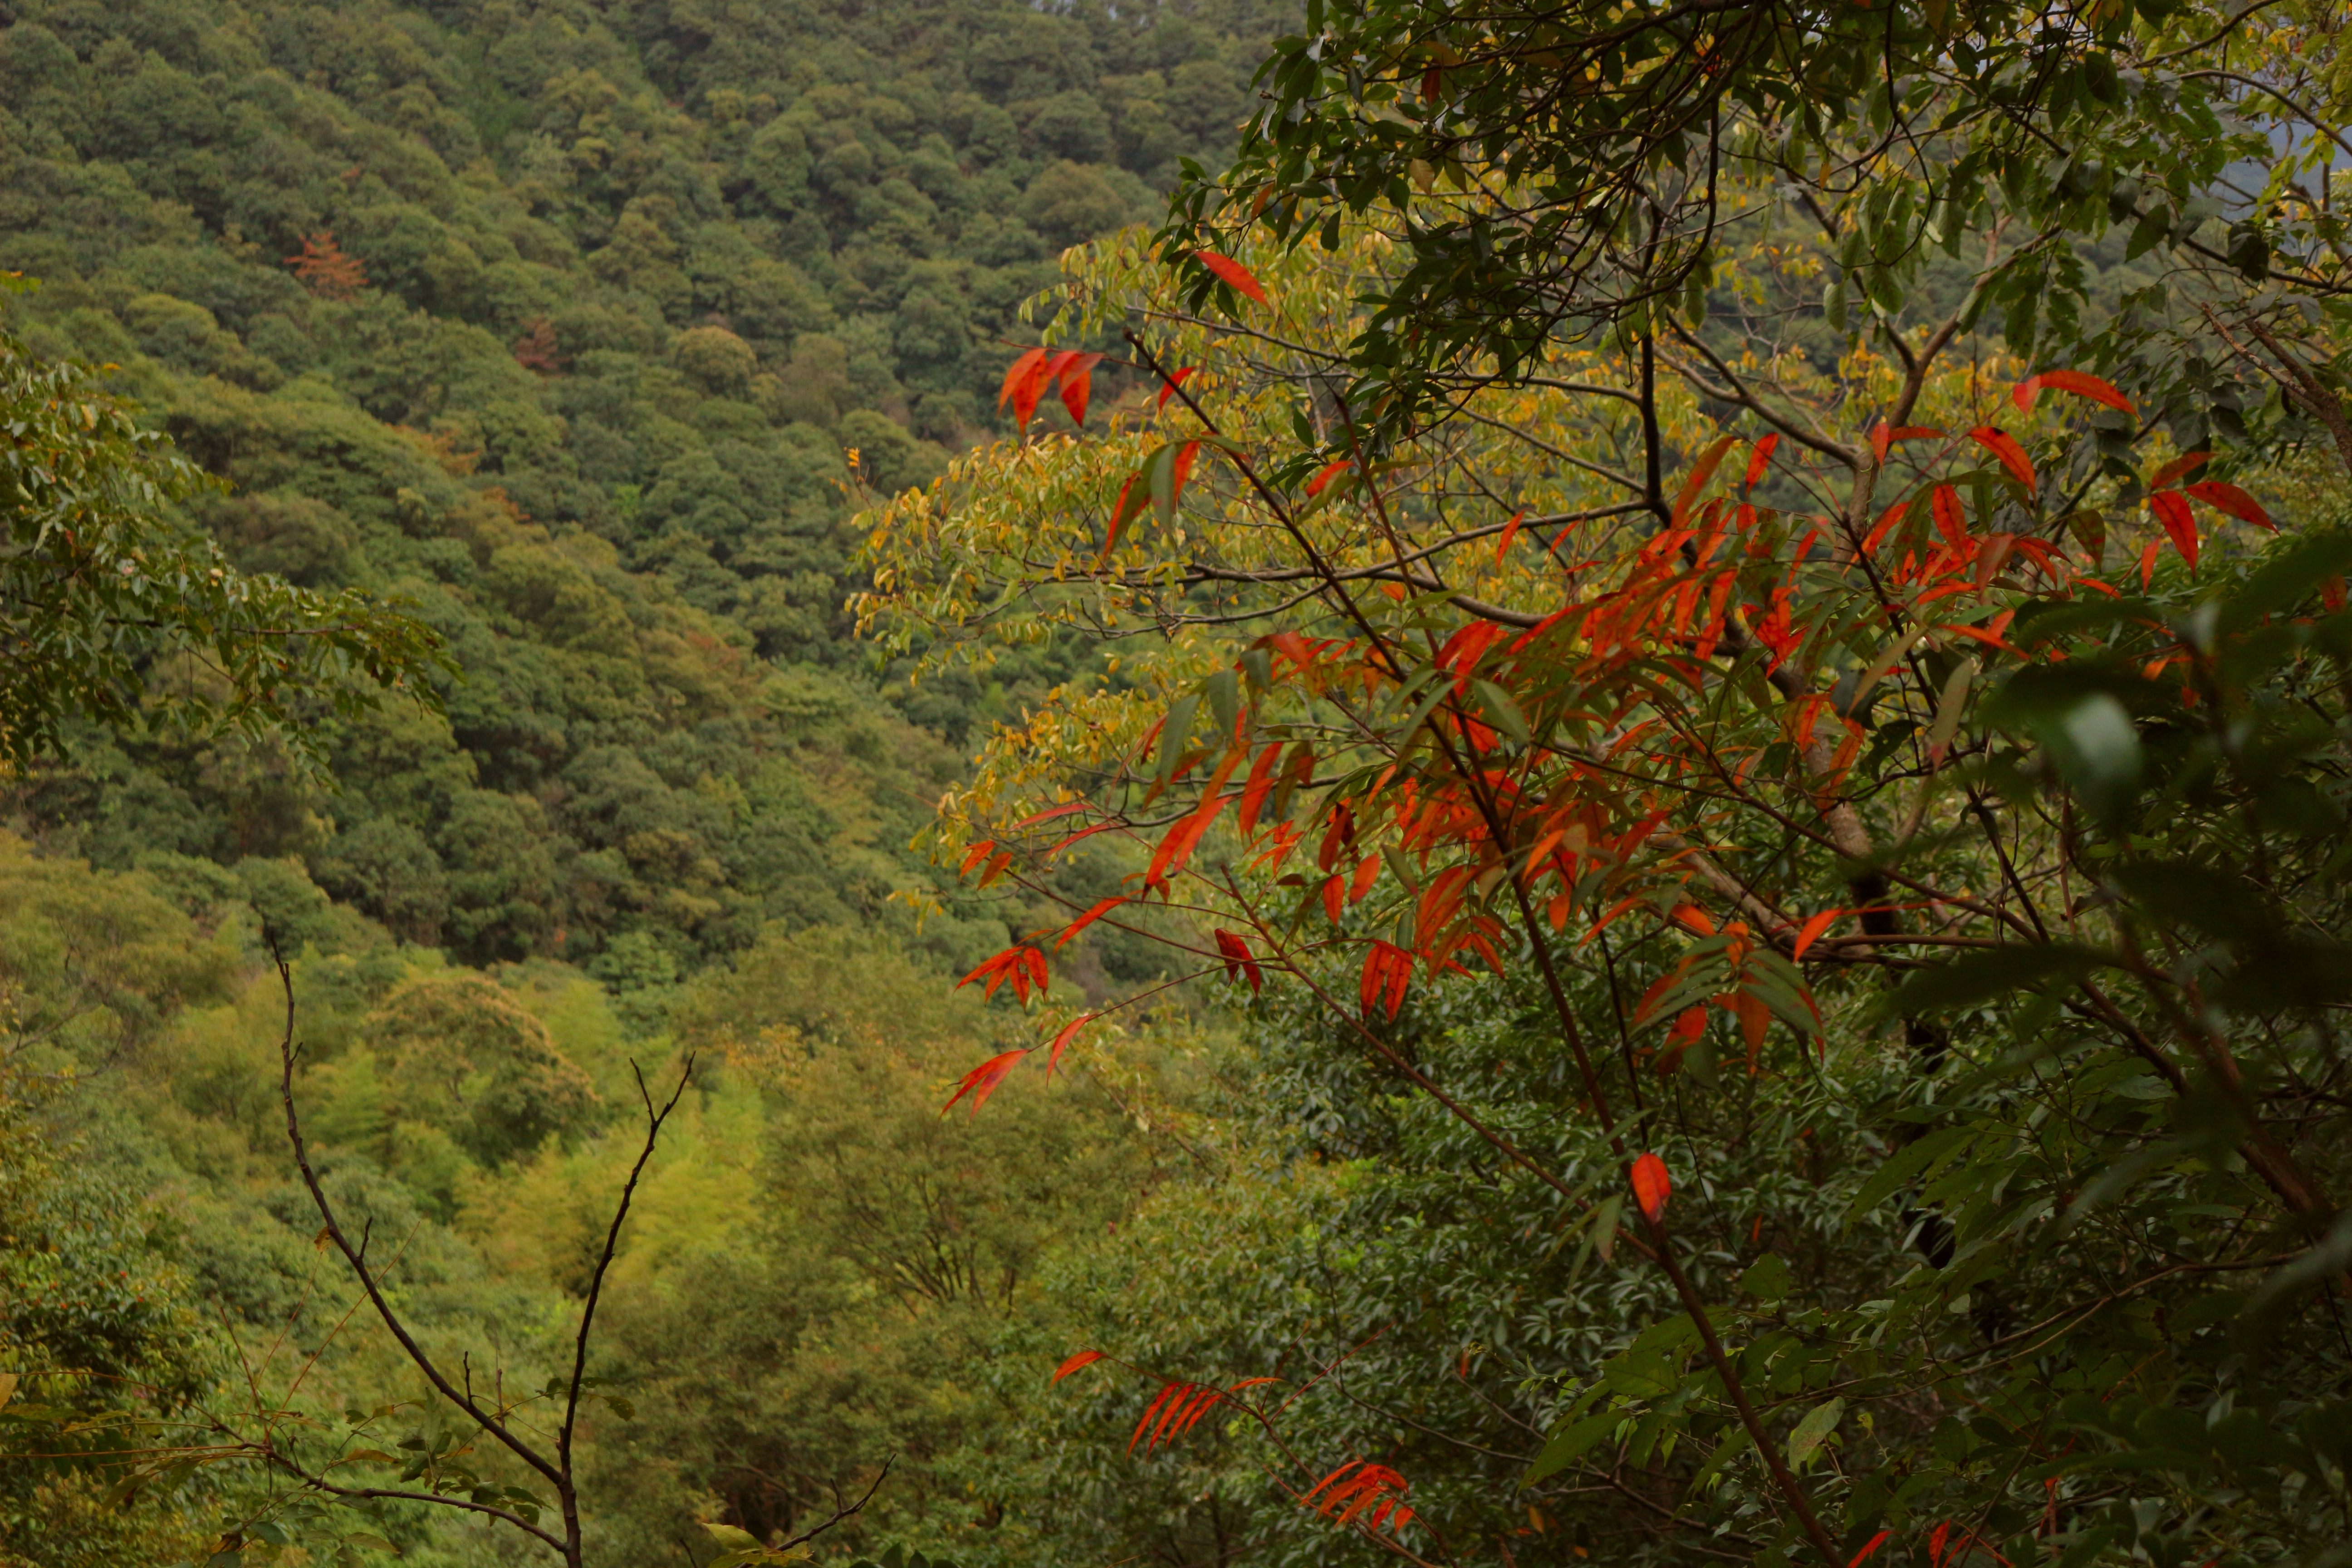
(1358, 1493)
(2173, 512)
(1025, 383)
(2179, 519)
(1677, 597)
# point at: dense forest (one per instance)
(980, 784)
(583, 329)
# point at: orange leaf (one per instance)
(1694, 919)
(1018, 372)
(2171, 509)
(1510, 532)
(1261, 780)
(1167, 1393)
(1166, 1426)
(1989, 559)
(2147, 564)
(1874, 1542)
(1176, 378)
(1760, 459)
(2233, 500)
(1315, 486)
(1462, 651)
(1130, 502)
(1232, 272)
(2003, 445)
(1688, 1027)
(1062, 1041)
(1333, 890)
(1050, 814)
(1755, 1018)
(2188, 462)
(2082, 385)
(1025, 384)
(1327, 1480)
(1083, 1359)
(1387, 970)
(1810, 932)
(981, 1082)
(980, 852)
(1701, 471)
(1951, 522)
(1886, 521)
(1883, 438)
(1075, 372)
(1182, 467)
(1651, 1184)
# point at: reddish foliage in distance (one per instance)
(535, 351)
(326, 269)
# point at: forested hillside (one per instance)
(583, 329)
(558, 319)
(1037, 785)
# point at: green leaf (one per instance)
(2155, 226)
(733, 1537)
(1501, 712)
(1160, 473)
(2194, 895)
(1173, 734)
(1767, 1278)
(2289, 578)
(1814, 1430)
(1906, 1163)
(1948, 708)
(1730, 1449)
(1569, 1444)
(1223, 689)
(1986, 974)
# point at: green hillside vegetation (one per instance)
(583, 329)
(595, 299)
(818, 1259)
(1669, 1075)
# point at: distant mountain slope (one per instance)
(557, 318)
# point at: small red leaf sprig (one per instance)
(1360, 1489)
(1027, 378)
